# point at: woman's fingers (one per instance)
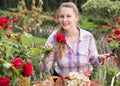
(48, 46)
(105, 58)
(88, 73)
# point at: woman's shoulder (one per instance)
(54, 32)
(51, 38)
(85, 32)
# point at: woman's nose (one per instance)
(65, 18)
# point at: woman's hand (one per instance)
(48, 49)
(88, 73)
(48, 46)
(49, 52)
(104, 58)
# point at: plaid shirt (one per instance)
(80, 58)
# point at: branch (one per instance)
(114, 78)
(20, 28)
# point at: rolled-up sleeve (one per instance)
(46, 65)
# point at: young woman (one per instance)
(74, 47)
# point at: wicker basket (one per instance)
(51, 81)
(37, 83)
(57, 81)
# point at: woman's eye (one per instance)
(68, 16)
(61, 16)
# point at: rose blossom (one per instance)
(60, 38)
(15, 20)
(4, 81)
(27, 69)
(117, 32)
(4, 22)
(17, 62)
(9, 36)
(18, 38)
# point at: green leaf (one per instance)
(7, 65)
(16, 71)
(10, 50)
(47, 51)
(113, 44)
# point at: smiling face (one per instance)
(68, 18)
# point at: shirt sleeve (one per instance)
(51, 38)
(48, 61)
(93, 53)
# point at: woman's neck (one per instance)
(72, 32)
(72, 36)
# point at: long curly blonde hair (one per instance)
(62, 48)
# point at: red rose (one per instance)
(18, 38)
(108, 25)
(60, 38)
(9, 36)
(109, 38)
(118, 22)
(117, 19)
(117, 31)
(27, 69)
(101, 26)
(117, 38)
(4, 22)
(15, 20)
(4, 81)
(113, 27)
(17, 63)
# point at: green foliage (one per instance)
(118, 82)
(36, 57)
(10, 49)
(102, 8)
(110, 73)
(38, 41)
(35, 53)
(114, 44)
(28, 4)
(95, 70)
(86, 23)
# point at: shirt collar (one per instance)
(81, 33)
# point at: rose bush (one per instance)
(113, 38)
(14, 57)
